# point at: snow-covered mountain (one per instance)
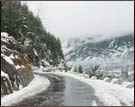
(115, 52)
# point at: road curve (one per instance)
(63, 91)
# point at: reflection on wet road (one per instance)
(78, 93)
(64, 91)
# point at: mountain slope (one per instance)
(112, 53)
(25, 44)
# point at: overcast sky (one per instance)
(68, 19)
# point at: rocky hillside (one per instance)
(16, 71)
(18, 21)
(110, 53)
(25, 44)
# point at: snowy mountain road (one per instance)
(63, 91)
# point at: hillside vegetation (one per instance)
(24, 43)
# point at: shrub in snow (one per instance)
(115, 81)
(24, 61)
(95, 71)
(106, 79)
(80, 70)
(74, 69)
(100, 75)
(93, 78)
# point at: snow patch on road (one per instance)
(38, 84)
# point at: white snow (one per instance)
(94, 103)
(107, 79)
(25, 26)
(93, 78)
(8, 59)
(128, 84)
(45, 62)
(3, 74)
(112, 58)
(12, 56)
(115, 81)
(27, 42)
(17, 67)
(38, 84)
(4, 36)
(16, 56)
(109, 94)
(35, 52)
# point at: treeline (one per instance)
(18, 21)
(95, 71)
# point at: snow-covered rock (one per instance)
(15, 67)
(8, 59)
(106, 79)
(93, 78)
(33, 88)
(4, 36)
(115, 81)
(3, 74)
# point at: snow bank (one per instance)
(112, 94)
(38, 84)
(115, 81)
(109, 94)
(93, 78)
(107, 79)
(128, 84)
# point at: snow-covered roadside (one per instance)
(110, 94)
(37, 85)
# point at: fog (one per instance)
(68, 19)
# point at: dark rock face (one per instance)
(15, 82)
(16, 71)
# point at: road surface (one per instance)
(63, 91)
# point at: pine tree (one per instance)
(18, 21)
(80, 70)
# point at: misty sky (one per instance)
(68, 19)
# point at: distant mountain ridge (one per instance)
(117, 52)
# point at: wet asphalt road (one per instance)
(63, 91)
